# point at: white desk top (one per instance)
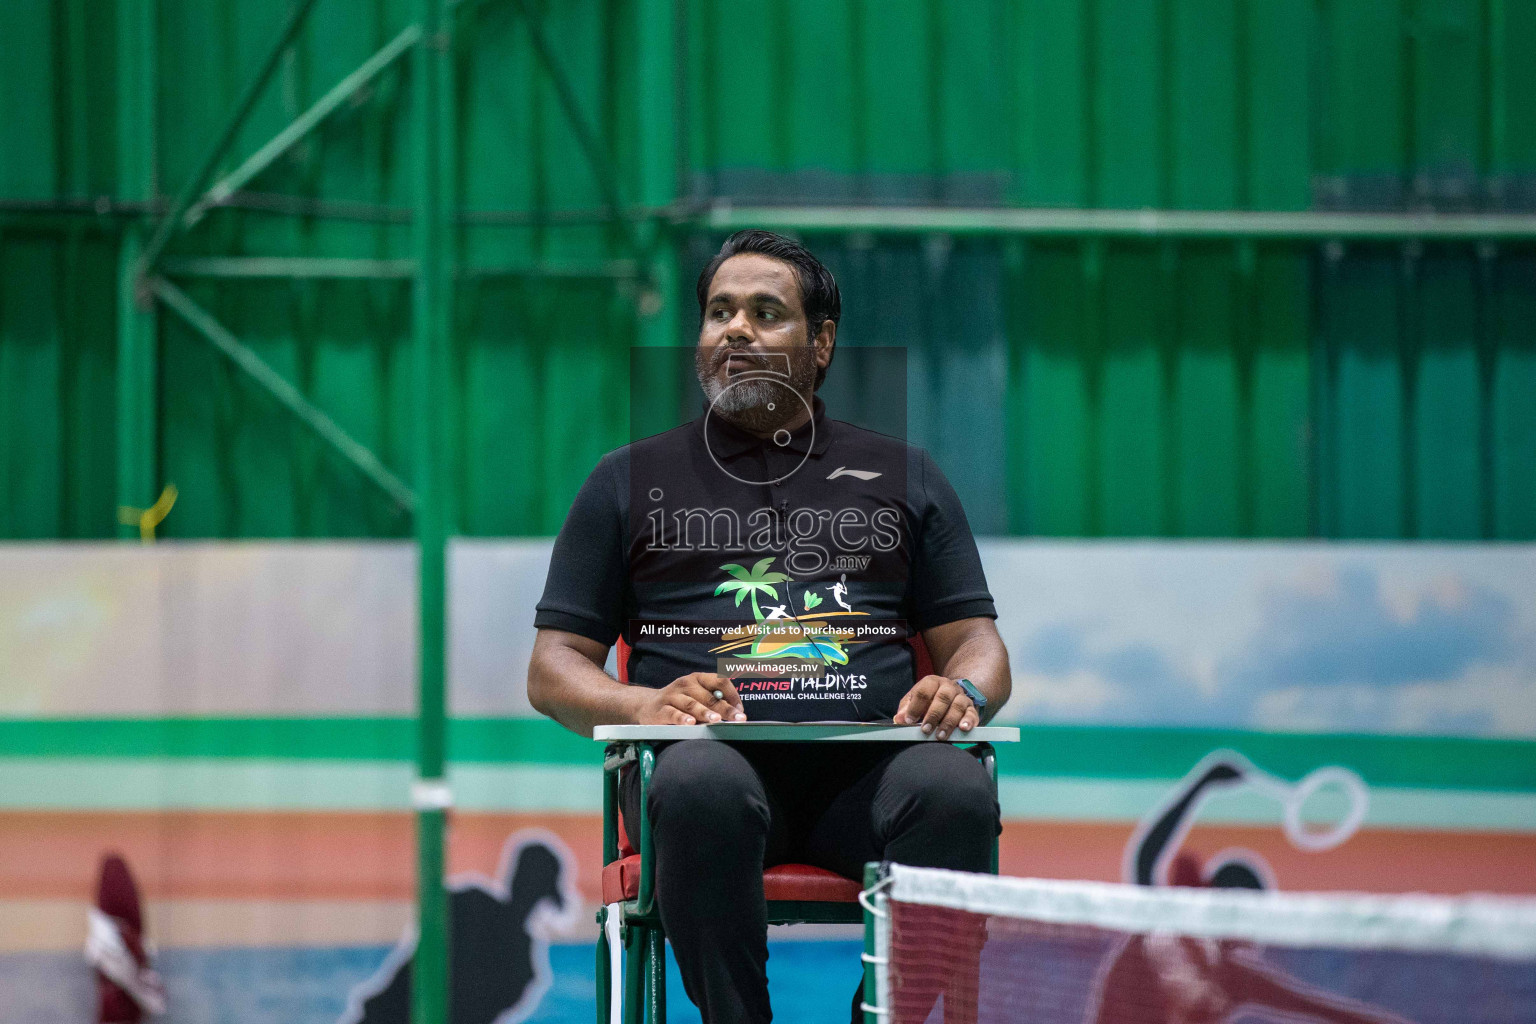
(797, 732)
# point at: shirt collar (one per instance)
(729, 441)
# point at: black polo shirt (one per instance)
(800, 563)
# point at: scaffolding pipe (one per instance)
(570, 270)
(303, 124)
(432, 117)
(288, 396)
(243, 108)
(597, 158)
(288, 267)
(339, 268)
(138, 364)
(1299, 226)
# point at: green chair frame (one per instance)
(640, 930)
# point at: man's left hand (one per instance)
(939, 705)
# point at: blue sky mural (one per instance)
(1307, 637)
(1434, 640)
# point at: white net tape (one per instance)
(976, 949)
(1472, 925)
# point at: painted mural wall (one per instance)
(234, 719)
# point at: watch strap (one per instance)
(974, 692)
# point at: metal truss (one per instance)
(645, 223)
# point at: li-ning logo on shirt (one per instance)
(862, 474)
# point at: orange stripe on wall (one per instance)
(1373, 860)
(261, 855)
(371, 856)
(1390, 860)
(211, 855)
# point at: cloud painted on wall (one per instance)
(1351, 635)
(1351, 648)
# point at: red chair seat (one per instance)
(800, 882)
(808, 885)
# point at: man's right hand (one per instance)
(690, 700)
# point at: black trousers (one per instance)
(720, 813)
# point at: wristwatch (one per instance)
(974, 692)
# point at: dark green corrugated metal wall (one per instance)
(1069, 386)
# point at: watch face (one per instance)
(974, 692)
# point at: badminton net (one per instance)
(977, 949)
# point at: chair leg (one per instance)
(656, 969)
(634, 974)
(604, 993)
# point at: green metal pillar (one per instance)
(660, 323)
(871, 992)
(137, 334)
(430, 325)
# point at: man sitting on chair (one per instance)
(853, 541)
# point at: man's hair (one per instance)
(818, 289)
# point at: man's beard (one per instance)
(745, 403)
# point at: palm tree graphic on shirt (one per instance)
(758, 581)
